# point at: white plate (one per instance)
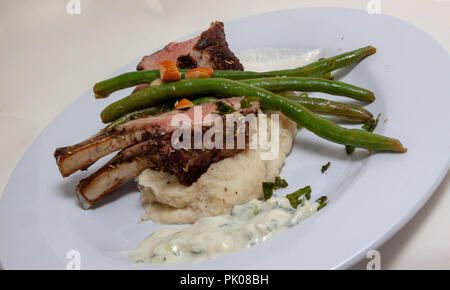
(371, 198)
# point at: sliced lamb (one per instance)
(210, 49)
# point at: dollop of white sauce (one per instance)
(267, 59)
(245, 226)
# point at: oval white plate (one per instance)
(370, 198)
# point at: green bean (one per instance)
(329, 108)
(104, 88)
(130, 79)
(303, 84)
(320, 126)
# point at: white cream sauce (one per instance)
(267, 59)
(210, 237)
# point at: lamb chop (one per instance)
(73, 158)
(146, 143)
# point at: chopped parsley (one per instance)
(296, 198)
(246, 102)
(224, 109)
(369, 126)
(322, 201)
(255, 210)
(349, 149)
(325, 167)
(269, 187)
(372, 124)
(280, 183)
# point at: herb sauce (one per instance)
(210, 237)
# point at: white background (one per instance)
(48, 58)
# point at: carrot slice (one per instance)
(168, 71)
(200, 72)
(183, 104)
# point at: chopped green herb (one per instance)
(349, 149)
(321, 206)
(255, 210)
(372, 124)
(369, 127)
(280, 183)
(325, 167)
(308, 195)
(294, 198)
(296, 202)
(246, 102)
(322, 201)
(269, 187)
(223, 109)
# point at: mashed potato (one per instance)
(234, 180)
